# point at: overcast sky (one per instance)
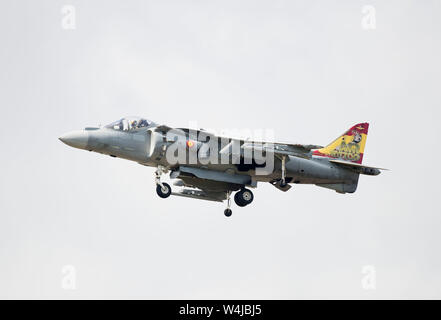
(306, 69)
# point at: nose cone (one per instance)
(76, 139)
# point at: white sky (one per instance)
(306, 69)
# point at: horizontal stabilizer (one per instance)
(372, 171)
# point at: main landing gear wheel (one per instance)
(243, 197)
(228, 212)
(163, 191)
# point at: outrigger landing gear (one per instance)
(162, 189)
(282, 181)
(227, 211)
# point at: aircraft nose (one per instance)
(77, 139)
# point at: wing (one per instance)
(278, 148)
(281, 149)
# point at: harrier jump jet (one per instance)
(210, 167)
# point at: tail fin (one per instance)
(349, 146)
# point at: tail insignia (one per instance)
(349, 146)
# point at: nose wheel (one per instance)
(162, 189)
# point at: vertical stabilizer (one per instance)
(349, 146)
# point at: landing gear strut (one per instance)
(162, 189)
(282, 181)
(227, 211)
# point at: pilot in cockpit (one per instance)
(142, 123)
(129, 124)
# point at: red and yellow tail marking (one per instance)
(349, 146)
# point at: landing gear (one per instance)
(243, 197)
(162, 189)
(282, 181)
(227, 211)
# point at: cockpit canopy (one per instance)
(129, 124)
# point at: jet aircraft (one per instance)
(207, 166)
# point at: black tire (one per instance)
(243, 197)
(228, 212)
(238, 200)
(163, 193)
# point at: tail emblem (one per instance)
(349, 146)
